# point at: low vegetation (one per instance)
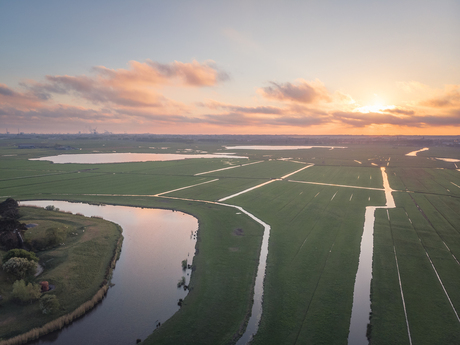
(89, 248)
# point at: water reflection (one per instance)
(414, 153)
(101, 158)
(145, 278)
(279, 147)
(361, 294)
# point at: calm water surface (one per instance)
(279, 147)
(361, 294)
(145, 278)
(99, 158)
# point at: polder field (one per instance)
(314, 201)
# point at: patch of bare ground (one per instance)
(238, 232)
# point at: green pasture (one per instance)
(313, 258)
(266, 169)
(412, 234)
(314, 242)
(350, 176)
(216, 190)
(77, 269)
(422, 180)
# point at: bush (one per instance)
(25, 293)
(49, 304)
(19, 253)
(54, 236)
(20, 267)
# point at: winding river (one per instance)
(145, 278)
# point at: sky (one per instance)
(230, 67)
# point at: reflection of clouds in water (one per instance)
(279, 147)
(414, 153)
(449, 160)
(102, 158)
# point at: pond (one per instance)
(99, 158)
(145, 291)
(414, 153)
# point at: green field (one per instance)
(315, 235)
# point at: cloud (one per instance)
(191, 74)
(241, 109)
(450, 97)
(358, 119)
(401, 111)
(12, 98)
(302, 92)
(136, 86)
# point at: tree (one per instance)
(49, 304)
(25, 293)
(20, 253)
(20, 267)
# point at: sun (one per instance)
(376, 108)
(379, 106)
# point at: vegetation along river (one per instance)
(145, 291)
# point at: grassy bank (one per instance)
(78, 269)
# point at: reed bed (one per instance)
(59, 322)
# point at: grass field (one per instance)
(315, 235)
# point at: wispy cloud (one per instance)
(136, 86)
(301, 91)
(450, 97)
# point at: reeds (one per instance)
(59, 322)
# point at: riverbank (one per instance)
(80, 269)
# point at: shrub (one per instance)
(19, 253)
(54, 236)
(49, 304)
(25, 293)
(20, 267)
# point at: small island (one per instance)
(55, 267)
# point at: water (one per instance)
(278, 147)
(449, 160)
(414, 153)
(99, 158)
(361, 294)
(145, 278)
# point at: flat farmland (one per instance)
(313, 258)
(264, 169)
(351, 176)
(430, 315)
(315, 237)
(423, 180)
(218, 189)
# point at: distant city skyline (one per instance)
(234, 67)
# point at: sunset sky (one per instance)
(230, 67)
